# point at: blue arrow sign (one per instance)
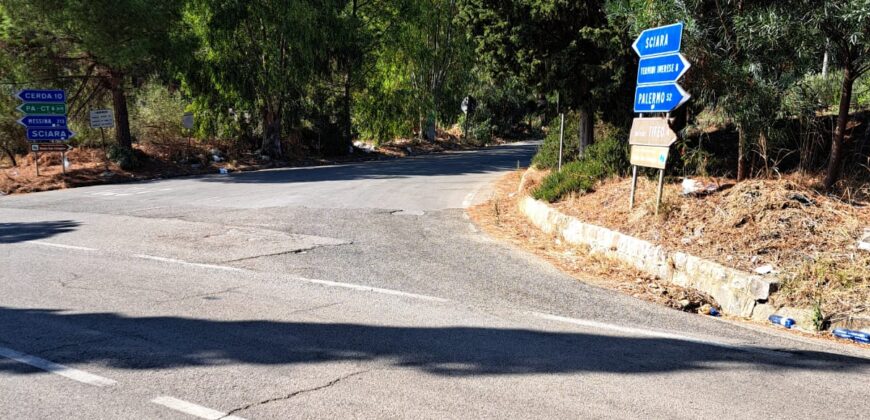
(662, 69)
(661, 40)
(49, 134)
(659, 98)
(37, 121)
(42, 96)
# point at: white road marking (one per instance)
(192, 264)
(65, 371)
(468, 200)
(53, 245)
(192, 409)
(328, 283)
(370, 289)
(656, 334)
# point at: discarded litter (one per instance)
(764, 269)
(781, 320)
(859, 336)
(864, 243)
(692, 187)
(224, 171)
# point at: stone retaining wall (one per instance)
(737, 292)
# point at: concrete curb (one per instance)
(739, 293)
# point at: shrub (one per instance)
(606, 158)
(548, 154)
(123, 157)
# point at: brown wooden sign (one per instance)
(650, 156)
(651, 132)
(50, 147)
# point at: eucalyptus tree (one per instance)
(262, 53)
(846, 23)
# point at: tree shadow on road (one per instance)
(11, 233)
(494, 159)
(168, 342)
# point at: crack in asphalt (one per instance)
(207, 294)
(290, 252)
(293, 394)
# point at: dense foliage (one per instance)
(288, 79)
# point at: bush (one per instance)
(548, 155)
(123, 157)
(606, 158)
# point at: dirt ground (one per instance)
(808, 239)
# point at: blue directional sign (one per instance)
(42, 96)
(662, 69)
(43, 121)
(49, 135)
(661, 40)
(659, 98)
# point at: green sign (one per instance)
(42, 109)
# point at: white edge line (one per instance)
(174, 261)
(57, 369)
(468, 200)
(371, 289)
(53, 245)
(328, 283)
(656, 334)
(192, 409)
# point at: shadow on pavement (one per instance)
(486, 160)
(11, 233)
(169, 342)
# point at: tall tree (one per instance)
(556, 46)
(846, 23)
(262, 53)
(111, 40)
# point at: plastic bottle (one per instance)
(781, 320)
(858, 336)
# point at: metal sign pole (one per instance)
(633, 186)
(561, 140)
(661, 187)
(63, 162)
(36, 153)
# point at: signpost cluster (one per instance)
(46, 122)
(661, 66)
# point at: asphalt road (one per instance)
(357, 291)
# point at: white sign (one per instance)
(102, 118)
(187, 120)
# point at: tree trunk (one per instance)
(586, 130)
(835, 167)
(122, 115)
(10, 154)
(348, 132)
(741, 153)
(271, 132)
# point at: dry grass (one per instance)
(809, 238)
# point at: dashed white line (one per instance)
(656, 334)
(192, 409)
(191, 264)
(53, 245)
(370, 289)
(57, 369)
